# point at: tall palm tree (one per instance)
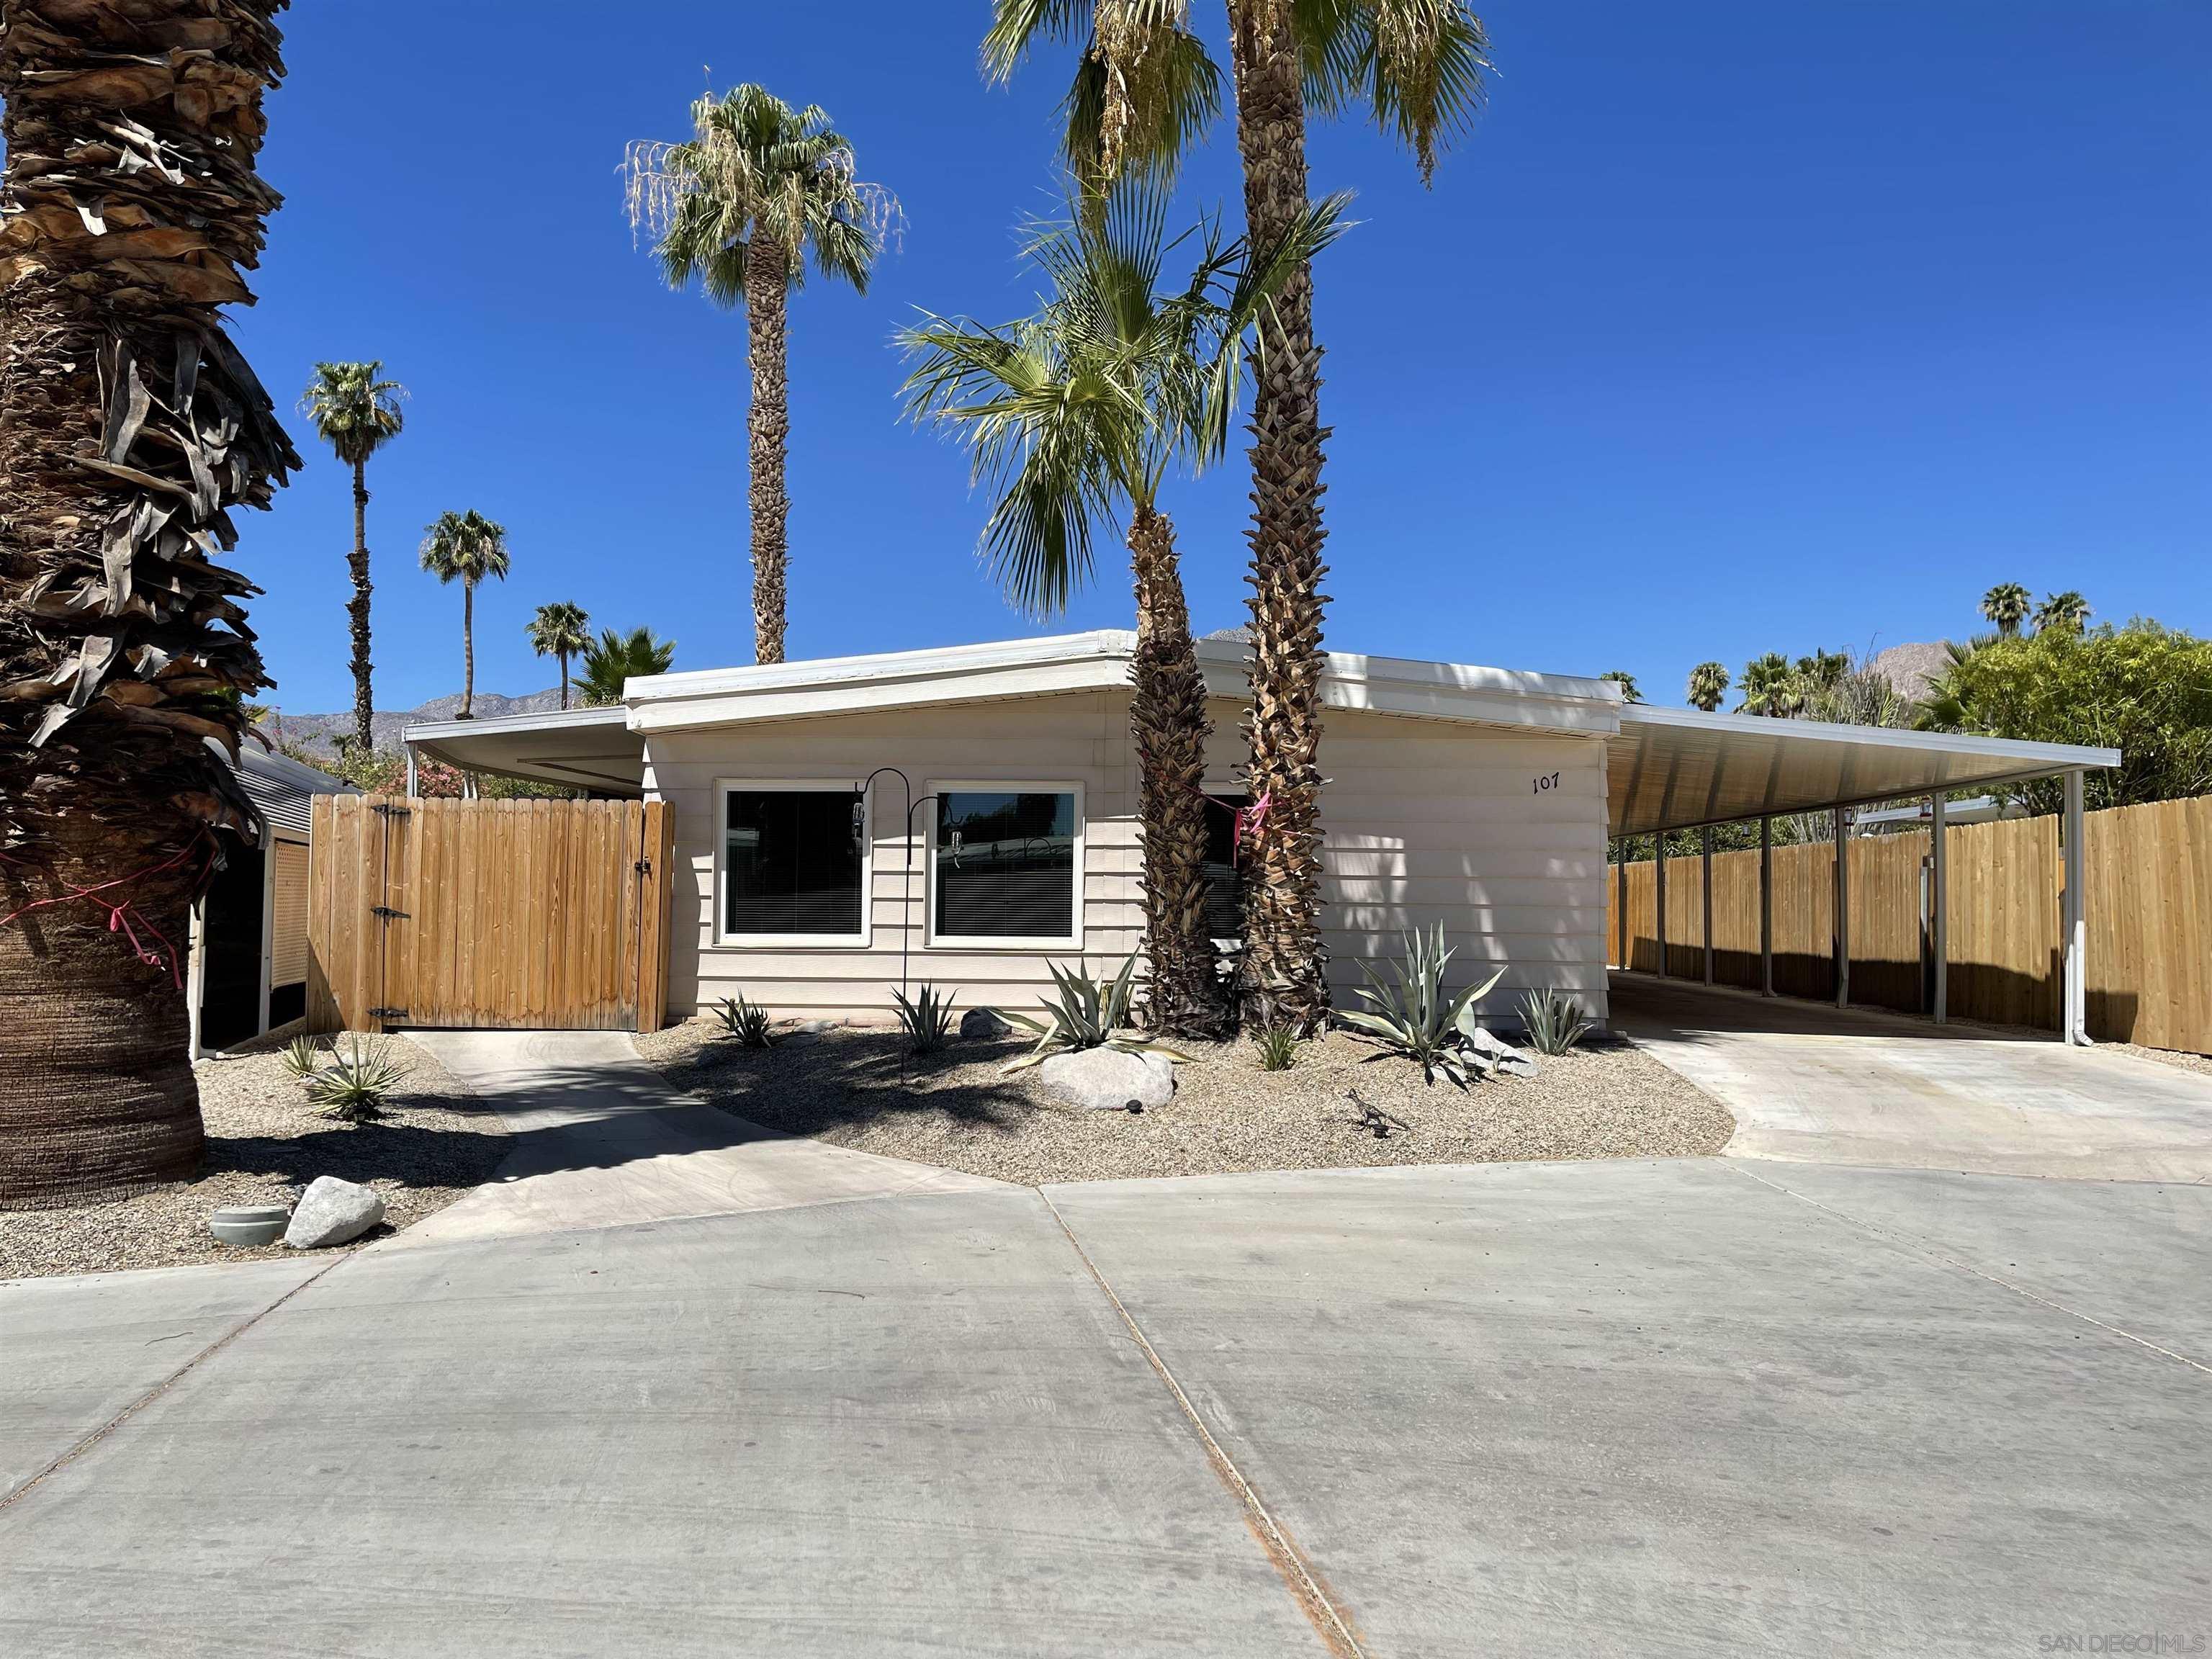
(2065, 613)
(560, 630)
(2006, 605)
(1709, 683)
(1144, 90)
(1630, 691)
(1083, 412)
(619, 657)
(130, 431)
(357, 412)
(469, 548)
(741, 205)
(1771, 687)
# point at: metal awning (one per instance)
(1677, 768)
(579, 748)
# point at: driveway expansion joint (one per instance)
(1330, 1622)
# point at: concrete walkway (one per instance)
(602, 1141)
(1857, 1086)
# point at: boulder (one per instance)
(332, 1212)
(984, 1025)
(1110, 1080)
(1502, 1054)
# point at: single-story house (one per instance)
(968, 816)
(248, 966)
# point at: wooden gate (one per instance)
(521, 915)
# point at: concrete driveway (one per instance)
(1857, 1086)
(1705, 1407)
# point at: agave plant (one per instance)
(1555, 1023)
(354, 1086)
(926, 1019)
(746, 1021)
(303, 1058)
(1085, 1013)
(1414, 1018)
(1276, 1047)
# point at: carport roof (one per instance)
(1676, 768)
(580, 748)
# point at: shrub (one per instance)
(1413, 1018)
(354, 1088)
(746, 1021)
(303, 1058)
(926, 1020)
(1277, 1047)
(1555, 1023)
(1085, 1013)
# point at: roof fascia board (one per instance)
(2059, 755)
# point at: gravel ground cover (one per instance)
(856, 1087)
(265, 1143)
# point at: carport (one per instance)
(1671, 769)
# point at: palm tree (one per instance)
(1771, 687)
(2066, 613)
(471, 548)
(741, 205)
(1709, 683)
(1145, 91)
(357, 412)
(560, 630)
(131, 431)
(2006, 605)
(1626, 681)
(619, 657)
(1083, 412)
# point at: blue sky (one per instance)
(1730, 326)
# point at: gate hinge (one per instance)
(385, 809)
(387, 1013)
(387, 913)
(643, 866)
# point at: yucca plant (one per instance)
(303, 1058)
(746, 1021)
(1555, 1023)
(1415, 1019)
(926, 1019)
(1085, 1013)
(1277, 1048)
(354, 1086)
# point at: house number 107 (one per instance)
(1542, 784)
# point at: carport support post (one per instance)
(1939, 888)
(1842, 913)
(1706, 859)
(1766, 906)
(1620, 906)
(1659, 894)
(2075, 1018)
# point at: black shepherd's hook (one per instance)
(859, 831)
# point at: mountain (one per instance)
(319, 733)
(1908, 667)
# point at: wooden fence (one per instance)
(2148, 885)
(525, 915)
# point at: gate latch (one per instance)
(384, 912)
(387, 1013)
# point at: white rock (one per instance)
(1108, 1080)
(984, 1024)
(332, 1212)
(1504, 1056)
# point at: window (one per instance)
(1223, 873)
(1007, 865)
(794, 865)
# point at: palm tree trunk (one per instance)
(1167, 720)
(364, 706)
(1285, 968)
(767, 284)
(564, 679)
(130, 431)
(468, 650)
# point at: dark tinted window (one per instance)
(1004, 865)
(791, 862)
(1224, 876)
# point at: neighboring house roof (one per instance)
(279, 787)
(1667, 768)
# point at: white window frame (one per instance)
(931, 939)
(724, 787)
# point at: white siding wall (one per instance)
(1423, 821)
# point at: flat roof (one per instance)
(576, 748)
(1679, 769)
